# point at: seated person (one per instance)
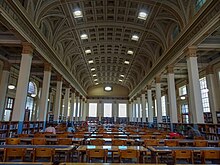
(70, 128)
(192, 132)
(51, 129)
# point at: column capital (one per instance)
(73, 90)
(6, 66)
(170, 69)
(209, 69)
(149, 87)
(157, 79)
(191, 51)
(28, 48)
(143, 91)
(47, 66)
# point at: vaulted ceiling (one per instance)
(109, 55)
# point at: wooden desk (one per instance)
(27, 163)
(58, 148)
(82, 149)
(109, 140)
(156, 150)
(106, 164)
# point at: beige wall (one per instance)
(118, 91)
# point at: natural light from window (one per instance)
(107, 109)
(122, 110)
(92, 109)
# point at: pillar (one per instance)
(115, 111)
(4, 87)
(72, 105)
(22, 86)
(158, 98)
(100, 110)
(45, 94)
(143, 99)
(172, 95)
(58, 99)
(66, 102)
(139, 108)
(150, 110)
(77, 107)
(212, 92)
(130, 111)
(194, 87)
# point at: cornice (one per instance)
(203, 21)
(13, 13)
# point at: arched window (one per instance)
(32, 89)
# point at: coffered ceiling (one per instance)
(108, 54)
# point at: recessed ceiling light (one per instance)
(95, 79)
(135, 37)
(77, 14)
(120, 80)
(94, 75)
(84, 36)
(126, 62)
(122, 75)
(130, 52)
(108, 88)
(142, 15)
(90, 61)
(11, 86)
(88, 51)
(92, 69)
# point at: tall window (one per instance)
(146, 109)
(92, 109)
(107, 109)
(182, 90)
(199, 4)
(8, 108)
(204, 94)
(163, 104)
(122, 110)
(155, 107)
(185, 113)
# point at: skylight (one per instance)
(130, 52)
(92, 69)
(90, 61)
(126, 62)
(135, 37)
(120, 80)
(84, 36)
(142, 15)
(88, 51)
(94, 75)
(122, 75)
(77, 14)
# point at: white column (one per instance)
(72, 105)
(45, 92)
(77, 108)
(100, 109)
(143, 99)
(22, 85)
(135, 111)
(115, 111)
(158, 98)
(80, 109)
(84, 110)
(139, 109)
(4, 87)
(150, 110)
(66, 102)
(212, 92)
(195, 92)
(58, 99)
(172, 95)
(130, 111)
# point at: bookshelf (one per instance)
(211, 131)
(208, 117)
(218, 117)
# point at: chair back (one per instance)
(23, 135)
(146, 136)
(200, 143)
(64, 141)
(38, 141)
(210, 155)
(171, 143)
(97, 142)
(14, 153)
(183, 154)
(62, 135)
(39, 135)
(78, 135)
(151, 142)
(43, 153)
(118, 142)
(129, 154)
(199, 138)
(96, 153)
(12, 141)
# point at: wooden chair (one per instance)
(210, 155)
(183, 154)
(200, 143)
(97, 142)
(151, 142)
(64, 141)
(118, 142)
(129, 154)
(171, 143)
(146, 136)
(78, 135)
(40, 154)
(23, 135)
(14, 153)
(12, 141)
(38, 141)
(39, 135)
(62, 135)
(108, 136)
(96, 153)
(199, 138)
